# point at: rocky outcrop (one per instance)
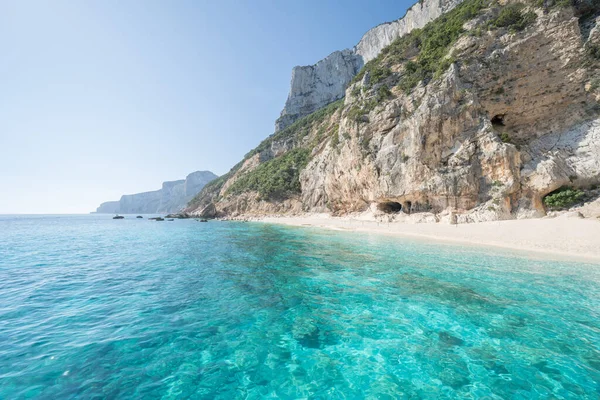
(210, 211)
(172, 197)
(314, 86)
(509, 117)
(416, 17)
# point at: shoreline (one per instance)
(561, 238)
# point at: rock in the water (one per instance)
(311, 340)
(181, 215)
(447, 339)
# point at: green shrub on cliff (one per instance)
(378, 74)
(563, 198)
(298, 129)
(513, 17)
(383, 93)
(335, 139)
(356, 113)
(505, 137)
(425, 50)
(275, 179)
(212, 189)
(294, 132)
(594, 51)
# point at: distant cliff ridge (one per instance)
(314, 86)
(109, 207)
(172, 197)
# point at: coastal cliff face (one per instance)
(315, 86)
(477, 116)
(172, 197)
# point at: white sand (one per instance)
(563, 237)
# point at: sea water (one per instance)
(95, 308)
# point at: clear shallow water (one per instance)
(96, 308)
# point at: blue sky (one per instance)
(103, 98)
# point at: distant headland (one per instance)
(172, 197)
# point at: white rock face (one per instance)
(314, 86)
(416, 17)
(172, 197)
(563, 158)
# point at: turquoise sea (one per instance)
(95, 308)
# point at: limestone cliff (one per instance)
(172, 197)
(477, 116)
(317, 85)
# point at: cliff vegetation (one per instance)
(482, 114)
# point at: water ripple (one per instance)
(96, 308)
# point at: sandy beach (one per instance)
(563, 237)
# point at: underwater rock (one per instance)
(449, 339)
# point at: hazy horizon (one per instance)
(102, 99)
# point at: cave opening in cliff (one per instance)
(498, 120)
(389, 207)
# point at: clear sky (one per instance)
(103, 98)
